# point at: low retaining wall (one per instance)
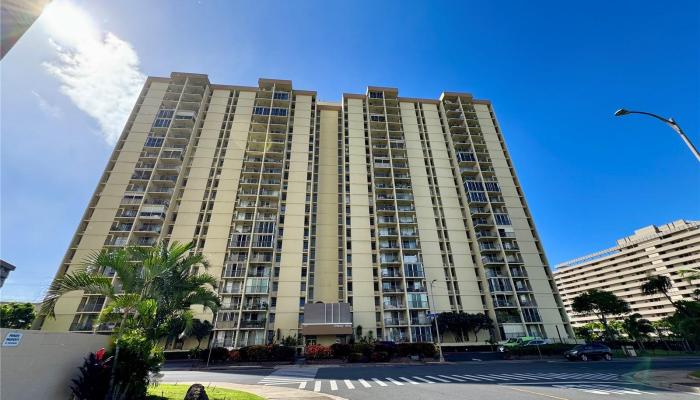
(42, 364)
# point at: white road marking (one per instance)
(378, 382)
(302, 385)
(317, 386)
(349, 384)
(364, 383)
(334, 386)
(418, 378)
(437, 379)
(449, 377)
(395, 382)
(491, 377)
(408, 380)
(469, 377)
(510, 377)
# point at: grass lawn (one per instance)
(177, 392)
(696, 373)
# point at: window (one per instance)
(473, 186)
(161, 123)
(165, 113)
(154, 142)
(477, 196)
(281, 96)
(492, 187)
(261, 110)
(282, 112)
(462, 156)
(377, 118)
(502, 219)
(376, 95)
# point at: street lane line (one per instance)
(484, 378)
(408, 380)
(364, 383)
(437, 379)
(537, 393)
(397, 383)
(334, 386)
(511, 377)
(378, 382)
(531, 377)
(349, 384)
(449, 377)
(317, 386)
(418, 378)
(469, 377)
(494, 377)
(302, 385)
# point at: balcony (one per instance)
(253, 324)
(394, 306)
(392, 289)
(395, 321)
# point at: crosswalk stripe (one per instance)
(334, 386)
(395, 382)
(491, 378)
(469, 377)
(531, 377)
(511, 377)
(302, 385)
(378, 382)
(408, 380)
(483, 377)
(317, 386)
(364, 383)
(449, 377)
(349, 384)
(437, 379)
(422, 379)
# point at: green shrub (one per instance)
(341, 350)
(355, 357)
(282, 353)
(387, 347)
(218, 354)
(364, 348)
(94, 378)
(255, 353)
(380, 356)
(417, 349)
(138, 359)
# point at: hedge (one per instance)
(422, 349)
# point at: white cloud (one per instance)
(48, 108)
(97, 70)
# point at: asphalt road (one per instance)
(488, 380)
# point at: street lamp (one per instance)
(670, 122)
(437, 329)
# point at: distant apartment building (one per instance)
(654, 250)
(17, 17)
(320, 217)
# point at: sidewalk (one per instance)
(271, 392)
(677, 380)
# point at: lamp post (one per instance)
(668, 121)
(437, 329)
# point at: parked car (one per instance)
(515, 342)
(585, 352)
(536, 342)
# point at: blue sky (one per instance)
(555, 72)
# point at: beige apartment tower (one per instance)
(321, 217)
(668, 250)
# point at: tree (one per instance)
(202, 329)
(601, 304)
(658, 284)
(153, 291)
(637, 328)
(480, 321)
(17, 315)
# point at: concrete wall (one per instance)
(44, 363)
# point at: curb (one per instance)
(269, 392)
(677, 387)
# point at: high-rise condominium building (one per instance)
(320, 217)
(666, 250)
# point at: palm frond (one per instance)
(77, 280)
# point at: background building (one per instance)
(653, 250)
(17, 17)
(5, 269)
(295, 201)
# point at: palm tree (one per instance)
(658, 284)
(154, 288)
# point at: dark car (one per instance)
(585, 352)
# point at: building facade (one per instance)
(397, 207)
(653, 250)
